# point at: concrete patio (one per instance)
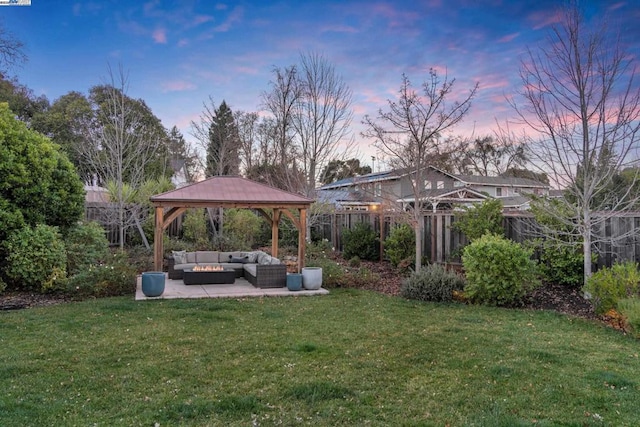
(240, 289)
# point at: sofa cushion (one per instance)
(191, 257)
(226, 256)
(252, 257)
(184, 266)
(207, 257)
(243, 260)
(250, 268)
(180, 257)
(228, 265)
(266, 259)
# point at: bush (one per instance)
(609, 285)
(36, 258)
(480, 219)
(116, 277)
(499, 271)
(630, 309)
(242, 226)
(194, 228)
(354, 262)
(432, 283)
(361, 241)
(562, 264)
(319, 249)
(400, 245)
(333, 274)
(86, 245)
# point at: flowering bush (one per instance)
(116, 277)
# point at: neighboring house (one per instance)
(439, 191)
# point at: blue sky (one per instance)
(178, 53)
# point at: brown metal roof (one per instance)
(229, 190)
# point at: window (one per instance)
(498, 192)
(457, 184)
(440, 185)
(378, 189)
(427, 185)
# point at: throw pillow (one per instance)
(180, 257)
(252, 257)
(244, 260)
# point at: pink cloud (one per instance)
(159, 35)
(177, 86)
(234, 17)
(543, 19)
(508, 38)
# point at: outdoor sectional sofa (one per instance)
(259, 268)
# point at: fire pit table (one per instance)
(209, 277)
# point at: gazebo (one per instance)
(231, 192)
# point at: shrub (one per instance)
(86, 245)
(609, 285)
(361, 241)
(562, 264)
(36, 258)
(432, 283)
(499, 271)
(480, 219)
(319, 249)
(116, 277)
(354, 262)
(3, 285)
(401, 244)
(194, 228)
(243, 226)
(333, 274)
(630, 309)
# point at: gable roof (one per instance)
(364, 179)
(500, 180)
(230, 190)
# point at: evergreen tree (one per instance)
(222, 151)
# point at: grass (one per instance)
(350, 358)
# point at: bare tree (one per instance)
(582, 102)
(409, 133)
(248, 135)
(11, 50)
(122, 144)
(489, 156)
(322, 116)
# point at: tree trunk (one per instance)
(418, 231)
(586, 245)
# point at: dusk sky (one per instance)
(178, 53)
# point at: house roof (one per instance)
(344, 196)
(230, 191)
(514, 201)
(364, 179)
(500, 180)
(447, 194)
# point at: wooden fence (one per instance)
(442, 244)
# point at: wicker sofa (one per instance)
(259, 268)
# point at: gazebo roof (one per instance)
(229, 191)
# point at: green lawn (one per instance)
(350, 358)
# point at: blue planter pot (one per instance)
(153, 283)
(294, 281)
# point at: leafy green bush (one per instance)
(401, 244)
(609, 285)
(432, 283)
(194, 228)
(3, 285)
(354, 262)
(116, 277)
(480, 219)
(243, 226)
(319, 249)
(333, 274)
(630, 309)
(499, 271)
(36, 258)
(562, 264)
(361, 241)
(86, 245)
